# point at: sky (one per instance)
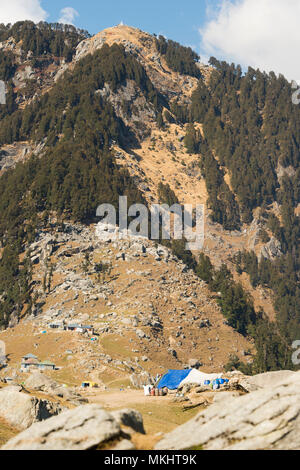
(264, 34)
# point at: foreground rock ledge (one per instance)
(22, 410)
(82, 428)
(265, 419)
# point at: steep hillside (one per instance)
(128, 113)
(149, 310)
(32, 58)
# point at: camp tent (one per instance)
(173, 378)
(198, 377)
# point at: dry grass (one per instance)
(7, 432)
(160, 414)
(158, 418)
(116, 346)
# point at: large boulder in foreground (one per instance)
(22, 410)
(268, 418)
(272, 379)
(250, 384)
(83, 428)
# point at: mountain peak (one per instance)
(131, 38)
(143, 46)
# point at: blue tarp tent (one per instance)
(173, 378)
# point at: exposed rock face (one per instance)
(11, 154)
(22, 410)
(271, 250)
(85, 427)
(142, 111)
(265, 419)
(269, 379)
(22, 75)
(254, 234)
(288, 171)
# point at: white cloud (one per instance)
(264, 34)
(19, 10)
(68, 15)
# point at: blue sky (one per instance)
(175, 19)
(264, 34)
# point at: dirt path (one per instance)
(160, 414)
(126, 398)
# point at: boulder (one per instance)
(83, 428)
(13, 388)
(247, 384)
(272, 379)
(40, 382)
(141, 334)
(268, 418)
(22, 410)
(172, 352)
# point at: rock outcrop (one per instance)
(22, 410)
(86, 427)
(270, 379)
(268, 418)
(40, 382)
(271, 250)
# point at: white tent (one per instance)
(198, 377)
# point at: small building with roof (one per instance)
(28, 357)
(32, 362)
(46, 365)
(56, 326)
(80, 328)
